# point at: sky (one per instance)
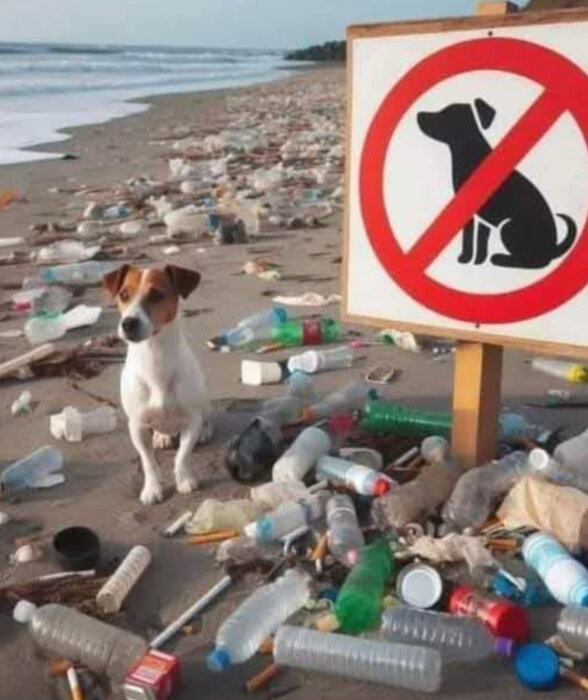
(226, 23)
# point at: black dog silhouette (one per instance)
(517, 209)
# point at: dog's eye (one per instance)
(124, 296)
(155, 296)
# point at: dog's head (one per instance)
(457, 121)
(148, 299)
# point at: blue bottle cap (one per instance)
(281, 314)
(537, 666)
(218, 660)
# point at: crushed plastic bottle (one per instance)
(477, 491)
(286, 518)
(402, 665)
(356, 477)
(45, 327)
(274, 493)
(223, 515)
(259, 616)
(350, 398)
(456, 638)
(40, 469)
(359, 603)
(67, 633)
(345, 537)
(82, 274)
(74, 426)
(65, 252)
(313, 361)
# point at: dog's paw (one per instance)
(186, 482)
(164, 442)
(151, 493)
(207, 432)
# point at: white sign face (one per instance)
(468, 183)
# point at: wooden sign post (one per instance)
(466, 210)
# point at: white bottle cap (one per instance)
(250, 530)
(257, 373)
(539, 460)
(23, 611)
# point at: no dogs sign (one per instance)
(468, 179)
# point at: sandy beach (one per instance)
(102, 473)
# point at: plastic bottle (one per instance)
(457, 638)
(568, 466)
(287, 518)
(259, 616)
(313, 361)
(36, 300)
(73, 425)
(350, 398)
(412, 667)
(112, 594)
(386, 417)
(435, 450)
(570, 371)
(302, 455)
(344, 536)
(502, 618)
(573, 627)
(566, 579)
(66, 633)
(359, 603)
(356, 477)
(256, 327)
(477, 491)
(45, 327)
(296, 333)
(41, 469)
(78, 274)
(273, 494)
(223, 515)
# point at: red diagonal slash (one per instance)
(487, 178)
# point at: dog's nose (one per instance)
(130, 325)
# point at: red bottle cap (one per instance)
(341, 423)
(381, 487)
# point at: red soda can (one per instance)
(155, 677)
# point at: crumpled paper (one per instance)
(454, 548)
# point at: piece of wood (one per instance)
(262, 678)
(496, 8)
(476, 403)
(11, 366)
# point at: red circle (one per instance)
(567, 82)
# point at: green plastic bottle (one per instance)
(296, 333)
(359, 603)
(385, 417)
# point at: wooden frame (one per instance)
(489, 22)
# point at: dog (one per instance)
(518, 210)
(163, 391)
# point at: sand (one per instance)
(102, 473)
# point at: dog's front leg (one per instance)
(467, 243)
(185, 479)
(142, 441)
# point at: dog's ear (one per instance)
(184, 281)
(485, 113)
(114, 280)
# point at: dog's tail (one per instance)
(570, 238)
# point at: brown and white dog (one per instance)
(163, 392)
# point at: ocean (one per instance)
(48, 87)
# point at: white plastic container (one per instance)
(112, 594)
(313, 361)
(565, 577)
(73, 426)
(356, 477)
(302, 455)
(259, 616)
(345, 537)
(257, 373)
(411, 667)
(287, 518)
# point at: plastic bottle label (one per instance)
(311, 332)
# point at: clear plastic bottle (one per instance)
(573, 627)
(477, 491)
(569, 464)
(562, 369)
(402, 665)
(356, 477)
(349, 398)
(78, 274)
(45, 327)
(113, 593)
(258, 617)
(313, 361)
(457, 638)
(41, 469)
(67, 633)
(73, 425)
(287, 518)
(344, 536)
(273, 494)
(256, 327)
(435, 450)
(311, 444)
(565, 577)
(221, 515)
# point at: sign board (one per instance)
(467, 180)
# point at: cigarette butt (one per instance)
(503, 543)
(218, 536)
(59, 667)
(262, 678)
(320, 551)
(575, 678)
(177, 524)
(267, 646)
(74, 684)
